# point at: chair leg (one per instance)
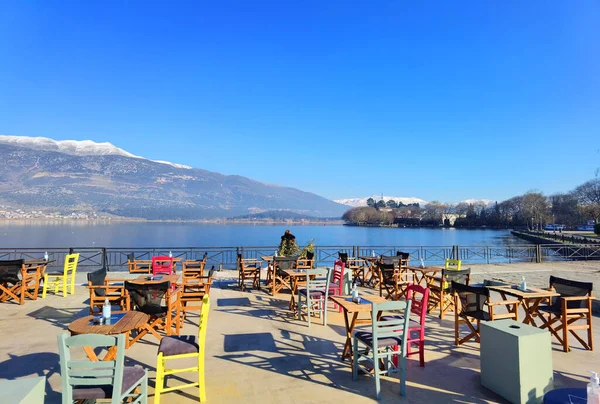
(376, 373)
(565, 330)
(64, 285)
(402, 375)
(308, 308)
(45, 286)
(422, 353)
(324, 304)
(201, 384)
(160, 370)
(354, 358)
(73, 283)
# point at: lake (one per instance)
(160, 234)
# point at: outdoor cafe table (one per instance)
(295, 278)
(145, 279)
(421, 273)
(354, 309)
(530, 299)
(130, 321)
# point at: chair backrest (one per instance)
(317, 279)
(203, 323)
(283, 263)
(473, 299)
(386, 259)
(391, 326)
(419, 296)
(569, 288)
(404, 259)
(343, 257)
(386, 272)
(147, 297)
(89, 374)
(97, 278)
(162, 265)
(338, 272)
(10, 270)
(453, 264)
(71, 261)
(310, 255)
(130, 257)
(451, 275)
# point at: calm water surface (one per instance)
(132, 234)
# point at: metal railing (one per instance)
(225, 257)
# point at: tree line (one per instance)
(532, 210)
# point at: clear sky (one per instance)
(438, 100)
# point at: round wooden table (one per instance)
(131, 321)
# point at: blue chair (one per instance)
(86, 380)
(384, 345)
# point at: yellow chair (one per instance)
(452, 265)
(64, 279)
(180, 347)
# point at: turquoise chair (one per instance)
(385, 343)
(316, 293)
(86, 380)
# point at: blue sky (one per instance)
(437, 100)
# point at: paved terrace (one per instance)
(257, 352)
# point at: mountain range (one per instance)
(69, 175)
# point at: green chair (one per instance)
(385, 342)
(85, 380)
(316, 293)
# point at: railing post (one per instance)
(538, 253)
(104, 263)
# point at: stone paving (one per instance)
(258, 352)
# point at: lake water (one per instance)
(158, 234)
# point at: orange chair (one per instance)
(162, 265)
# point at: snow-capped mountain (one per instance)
(356, 202)
(487, 202)
(75, 147)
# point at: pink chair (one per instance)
(416, 328)
(162, 265)
(336, 286)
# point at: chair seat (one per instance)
(131, 377)
(478, 314)
(334, 285)
(178, 345)
(550, 309)
(367, 338)
(55, 273)
(313, 293)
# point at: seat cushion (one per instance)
(334, 285)
(131, 377)
(367, 338)
(178, 345)
(313, 293)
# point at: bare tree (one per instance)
(588, 195)
(536, 208)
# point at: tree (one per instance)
(371, 202)
(565, 209)
(588, 195)
(433, 212)
(536, 208)
(391, 204)
(380, 204)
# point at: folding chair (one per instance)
(440, 296)
(11, 285)
(248, 270)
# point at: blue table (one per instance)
(566, 396)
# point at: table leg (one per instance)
(347, 352)
(293, 289)
(89, 351)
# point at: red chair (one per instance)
(336, 286)
(416, 328)
(162, 265)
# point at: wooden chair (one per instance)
(102, 288)
(148, 299)
(138, 266)
(391, 281)
(64, 279)
(248, 269)
(316, 293)
(112, 380)
(183, 347)
(336, 286)
(32, 276)
(280, 278)
(193, 289)
(163, 265)
(569, 312)
(473, 305)
(453, 264)
(11, 285)
(356, 265)
(386, 340)
(440, 295)
(307, 262)
(191, 266)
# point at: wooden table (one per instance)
(421, 273)
(354, 309)
(144, 279)
(295, 275)
(131, 321)
(530, 299)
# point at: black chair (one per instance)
(441, 296)
(308, 262)
(11, 285)
(101, 288)
(386, 259)
(148, 299)
(570, 311)
(390, 282)
(472, 303)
